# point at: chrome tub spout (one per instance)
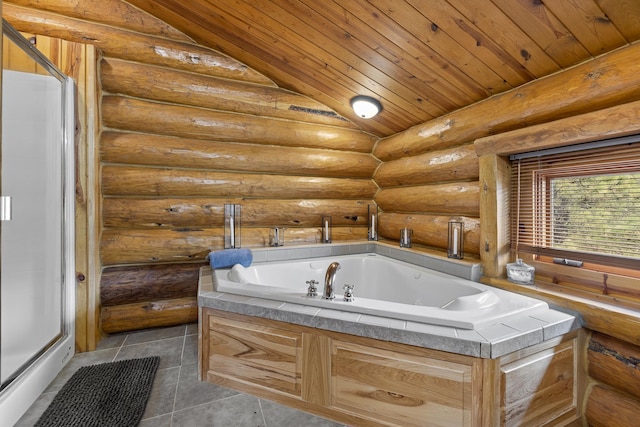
(329, 279)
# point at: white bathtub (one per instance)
(383, 286)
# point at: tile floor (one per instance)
(178, 399)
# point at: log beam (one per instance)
(606, 81)
(125, 44)
(190, 122)
(125, 212)
(152, 314)
(115, 13)
(495, 244)
(132, 246)
(135, 284)
(198, 90)
(155, 150)
(574, 130)
(428, 229)
(460, 198)
(162, 182)
(607, 407)
(615, 363)
(456, 164)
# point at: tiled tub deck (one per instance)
(489, 342)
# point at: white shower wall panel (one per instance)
(32, 240)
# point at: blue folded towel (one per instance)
(230, 257)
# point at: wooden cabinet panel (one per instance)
(262, 355)
(400, 389)
(537, 389)
(316, 375)
(365, 382)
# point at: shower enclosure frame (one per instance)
(19, 391)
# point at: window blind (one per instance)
(581, 204)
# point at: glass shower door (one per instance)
(37, 277)
(31, 270)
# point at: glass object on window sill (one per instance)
(521, 273)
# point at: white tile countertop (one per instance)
(491, 341)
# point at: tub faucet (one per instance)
(329, 278)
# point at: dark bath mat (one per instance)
(109, 394)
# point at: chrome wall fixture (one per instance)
(276, 236)
(456, 240)
(326, 229)
(372, 222)
(232, 226)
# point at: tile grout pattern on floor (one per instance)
(178, 399)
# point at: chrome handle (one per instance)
(312, 291)
(5, 208)
(348, 293)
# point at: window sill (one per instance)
(619, 321)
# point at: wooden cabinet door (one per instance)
(257, 354)
(537, 389)
(400, 389)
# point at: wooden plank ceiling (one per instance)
(420, 58)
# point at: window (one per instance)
(580, 206)
(597, 213)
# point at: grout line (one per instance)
(184, 346)
(120, 348)
(189, 408)
(175, 393)
(262, 413)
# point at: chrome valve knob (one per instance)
(348, 293)
(312, 291)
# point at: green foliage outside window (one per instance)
(596, 214)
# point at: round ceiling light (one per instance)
(365, 106)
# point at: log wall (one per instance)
(432, 169)
(614, 365)
(186, 130)
(183, 131)
(597, 99)
(426, 191)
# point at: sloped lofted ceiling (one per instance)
(420, 58)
